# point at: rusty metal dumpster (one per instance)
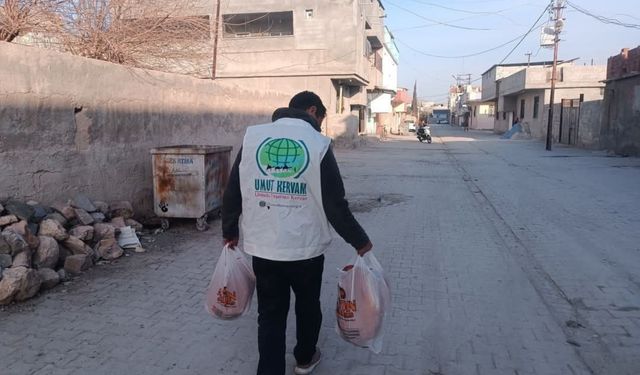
(189, 181)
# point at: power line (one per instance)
(627, 15)
(434, 24)
(435, 21)
(452, 9)
(492, 13)
(537, 52)
(603, 19)
(535, 24)
(461, 56)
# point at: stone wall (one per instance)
(71, 125)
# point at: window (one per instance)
(257, 24)
(487, 110)
(536, 106)
(522, 109)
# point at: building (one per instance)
(334, 48)
(381, 114)
(459, 98)
(400, 103)
(339, 49)
(620, 127)
(522, 92)
(491, 86)
(481, 114)
(455, 92)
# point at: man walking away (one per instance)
(465, 121)
(284, 190)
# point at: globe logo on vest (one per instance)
(282, 157)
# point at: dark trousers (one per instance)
(274, 280)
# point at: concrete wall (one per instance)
(332, 42)
(536, 127)
(590, 124)
(489, 85)
(580, 79)
(506, 108)
(376, 76)
(374, 11)
(343, 127)
(586, 74)
(540, 78)
(380, 103)
(496, 73)
(513, 83)
(481, 118)
(569, 76)
(326, 49)
(503, 122)
(621, 116)
(590, 95)
(389, 70)
(70, 124)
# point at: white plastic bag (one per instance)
(232, 284)
(363, 298)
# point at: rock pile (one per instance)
(40, 246)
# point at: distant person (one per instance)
(465, 121)
(287, 231)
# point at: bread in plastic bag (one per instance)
(363, 298)
(232, 284)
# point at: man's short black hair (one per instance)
(306, 99)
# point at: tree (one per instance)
(168, 35)
(18, 17)
(152, 34)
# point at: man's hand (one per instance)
(231, 242)
(364, 249)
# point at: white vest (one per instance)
(282, 214)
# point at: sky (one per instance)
(453, 28)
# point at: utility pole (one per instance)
(528, 54)
(216, 31)
(462, 79)
(558, 23)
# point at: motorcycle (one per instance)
(424, 134)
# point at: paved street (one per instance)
(503, 258)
